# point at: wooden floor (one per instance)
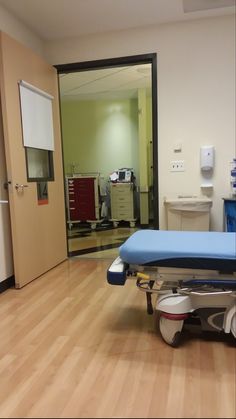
(74, 346)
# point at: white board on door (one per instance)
(36, 116)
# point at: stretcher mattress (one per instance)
(187, 249)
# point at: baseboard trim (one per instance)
(7, 283)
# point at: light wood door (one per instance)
(38, 231)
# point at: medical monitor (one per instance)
(124, 175)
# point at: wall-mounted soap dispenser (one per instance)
(207, 157)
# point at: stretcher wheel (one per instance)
(171, 330)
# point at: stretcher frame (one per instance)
(180, 282)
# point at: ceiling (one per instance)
(58, 19)
(110, 83)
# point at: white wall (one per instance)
(196, 95)
(6, 259)
(16, 29)
(196, 91)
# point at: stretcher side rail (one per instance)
(119, 272)
(159, 280)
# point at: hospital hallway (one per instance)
(74, 346)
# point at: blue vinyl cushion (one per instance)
(146, 246)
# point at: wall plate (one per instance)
(177, 166)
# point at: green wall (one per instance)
(100, 136)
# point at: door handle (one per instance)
(20, 187)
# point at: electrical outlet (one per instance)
(177, 166)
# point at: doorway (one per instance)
(109, 130)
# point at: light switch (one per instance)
(177, 147)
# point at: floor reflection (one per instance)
(103, 242)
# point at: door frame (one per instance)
(119, 62)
